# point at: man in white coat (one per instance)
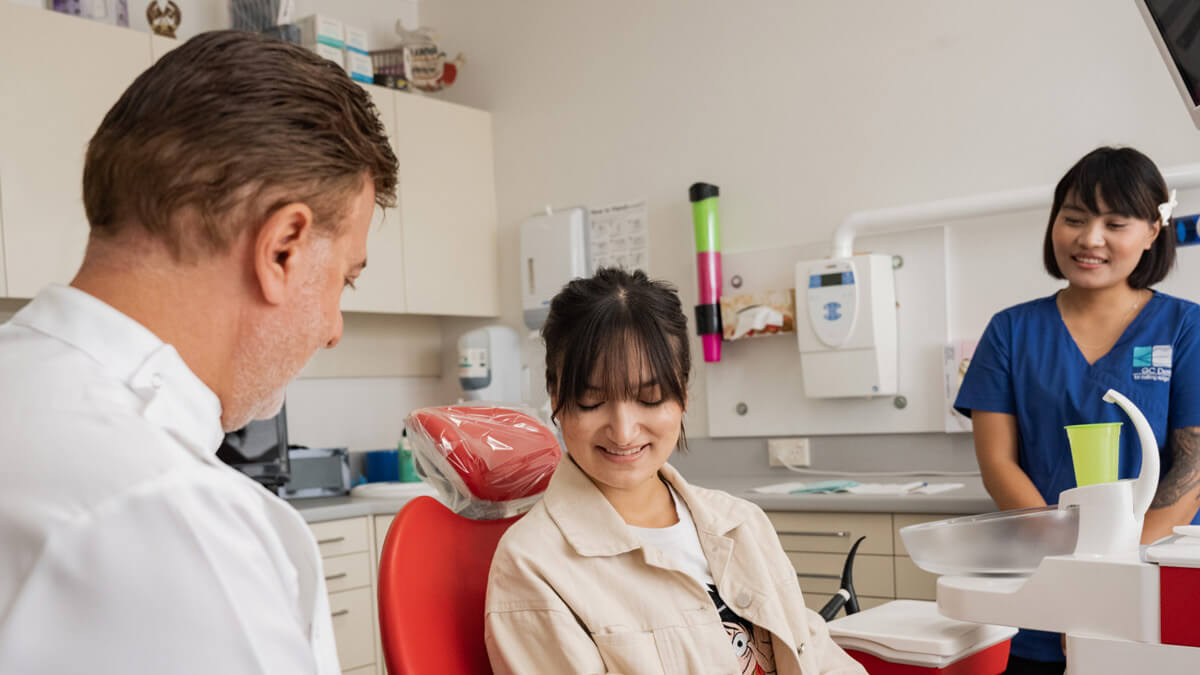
(229, 193)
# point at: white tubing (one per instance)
(1147, 482)
(917, 216)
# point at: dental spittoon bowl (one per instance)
(1002, 543)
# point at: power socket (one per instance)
(793, 451)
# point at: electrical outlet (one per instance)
(793, 451)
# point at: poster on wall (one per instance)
(619, 236)
(957, 357)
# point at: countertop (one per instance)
(336, 508)
(969, 499)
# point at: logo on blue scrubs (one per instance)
(1152, 364)
(833, 311)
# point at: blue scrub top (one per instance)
(1028, 365)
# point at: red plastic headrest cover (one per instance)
(488, 453)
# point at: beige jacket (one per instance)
(573, 590)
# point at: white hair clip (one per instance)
(1165, 208)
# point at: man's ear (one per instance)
(280, 241)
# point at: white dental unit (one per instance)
(848, 344)
(1076, 568)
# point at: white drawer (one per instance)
(339, 537)
(382, 523)
(912, 582)
(344, 572)
(822, 573)
(833, 532)
(816, 601)
(353, 627)
(906, 519)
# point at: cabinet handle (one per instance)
(340, 612)
(339, 575)
(839, 533)
(331, 540)
(819, 576)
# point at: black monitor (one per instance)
(260, 450)
(1175, 27)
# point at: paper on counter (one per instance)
(886, 488)
(851, 487)
(936, 488)
(778, 488)
(818, 487)
(914, 488)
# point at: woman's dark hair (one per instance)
(1130, 185)
(609, 327)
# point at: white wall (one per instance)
(363, 413)
(802, 112)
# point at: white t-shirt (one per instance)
(126, 546)
(751, 644)
(679, 542)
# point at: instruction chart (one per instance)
(619, 236)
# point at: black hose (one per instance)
(845, 596)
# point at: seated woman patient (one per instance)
(623, 566)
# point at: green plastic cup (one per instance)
(1095, 449)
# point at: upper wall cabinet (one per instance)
(448, 208)
(54, 98)
(435, 253)
(380, 287)
(160, 45)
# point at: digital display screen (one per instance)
(831, 279)
(1178, 22)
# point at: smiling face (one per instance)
(617, 366)
(1098, 249)
(619, 441)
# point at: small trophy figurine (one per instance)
(163, 20)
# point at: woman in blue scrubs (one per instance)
(1046, 363)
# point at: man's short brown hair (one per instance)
(225, 129)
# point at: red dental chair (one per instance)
(490, 465)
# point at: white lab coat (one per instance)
(126, 546)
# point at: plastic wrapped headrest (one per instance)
(486, 461)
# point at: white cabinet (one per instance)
(347, 554)
(434, 254)
(380, 288)
(817, 543)
(448, 207)
(160, 45)
(354, 627)
(59, 75)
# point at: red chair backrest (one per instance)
(432, 583)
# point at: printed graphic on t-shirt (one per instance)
(751, 644)
(1152, 363)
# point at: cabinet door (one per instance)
(380, 288)
(448, 208)
(353, 627)
(54, 98)
(833, 532)
(160, 45)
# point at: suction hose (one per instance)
(845, 596)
